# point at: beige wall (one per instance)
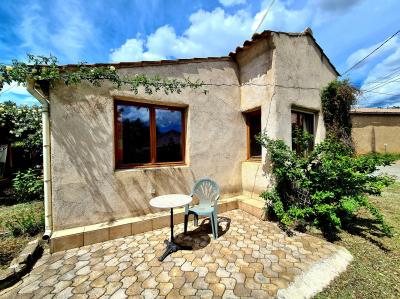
(372, 131)
(273, 66)
(86, 187)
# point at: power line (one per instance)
(372, 52)
(382, 84)
(261, 85)
(8, 89)
(394, 72)
(385, 93)
(264, 16)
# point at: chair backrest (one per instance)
(207, 191)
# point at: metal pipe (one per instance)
(46, 160)
(46, 171)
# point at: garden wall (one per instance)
(376, 130)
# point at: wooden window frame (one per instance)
(256, 111)
(153, 138)
(303, 111)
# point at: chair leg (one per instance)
(215, 220)
(186, 222)
(212, 225)
(196, 219)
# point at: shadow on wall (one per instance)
(86, 189)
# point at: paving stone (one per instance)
(99, 282)
(200, 283)
(150, 293)
(149, 283)
(135, 289)
(165, 288)
(188, 290)
(60, 286)
(241, 291)
(119, 294)
(252, 259)
(204, 294)
(96, 293)
(218, 289)
(178, 281)
(174, 294)
(212, 278)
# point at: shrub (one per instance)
(24, 219)
(325, 188)
(337, 99)
(28, 185)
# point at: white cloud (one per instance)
(210, 34)
(382, 79)
(231, 2)
(132, 50)
(216, 33)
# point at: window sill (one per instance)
(150, 167)
(254, 160)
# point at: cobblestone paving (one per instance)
(251, 258)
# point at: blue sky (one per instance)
(104, 31)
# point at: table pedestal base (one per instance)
(171, 248)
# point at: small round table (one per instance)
(171, 201)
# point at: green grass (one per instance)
(375, 270)
(20, 222)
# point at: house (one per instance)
(374, 130)
(113, 150)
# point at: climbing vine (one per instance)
(337, 98)
(45, 71)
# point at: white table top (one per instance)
(170, 201)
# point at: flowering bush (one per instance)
(21, 126)
(325, 188)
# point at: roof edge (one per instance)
(267, 33)
(155, 62)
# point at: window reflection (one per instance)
(133, 131)
(168, 135)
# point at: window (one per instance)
(147, 135)
(253, 122)
(302, 122)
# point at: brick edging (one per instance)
(22, 264)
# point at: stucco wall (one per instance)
(284, 73)
(372, 131)
(256, 77)
(300, 72)
(86, 187)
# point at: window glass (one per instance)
(133, 131)
(253, 120)
(168, 135)
(302, 122)
(147, 134)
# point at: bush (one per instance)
(325, 188)
(24, 219)
(28, 185)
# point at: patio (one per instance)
(251, 258)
